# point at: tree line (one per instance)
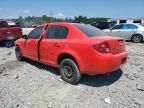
(33, 20)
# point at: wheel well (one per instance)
(64, 56)
(136, 34)
(17, 45)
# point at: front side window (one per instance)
(89, 30)
(117, 27)
(35, 34)
(57, 32)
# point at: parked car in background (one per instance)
(103, 25)
(26, 31)
(9, 31)
(73, 47)
(142, 24)
(133, 32)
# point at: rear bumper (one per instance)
(105, 63)
(5, 38)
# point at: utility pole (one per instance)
(51, 16)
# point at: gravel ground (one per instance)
(29, 84)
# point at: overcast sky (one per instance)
(71, 8)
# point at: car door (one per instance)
(127, 31)
(31, 43)
(116, 31)
(53, 43)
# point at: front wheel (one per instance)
(69, 71)
(137, 38)
(18, 54)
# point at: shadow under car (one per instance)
(94, 81)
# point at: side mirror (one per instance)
(24, 36)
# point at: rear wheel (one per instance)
(137, 38)
(69, 71)
(18, 54)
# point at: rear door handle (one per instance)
(56, 45)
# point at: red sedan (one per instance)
(75, 48)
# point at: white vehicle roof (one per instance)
(11, 23)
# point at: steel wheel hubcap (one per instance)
(136, 39)
(68, 71)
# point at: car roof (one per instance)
(59, 23)
(136, 24)
(130, 23)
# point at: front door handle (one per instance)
(35, 44)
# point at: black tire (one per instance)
(9, 43)
(69, 71)
(137, 38)
(18, 54)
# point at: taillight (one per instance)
(102, 47)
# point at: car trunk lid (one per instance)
(116, 45)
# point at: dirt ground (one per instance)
(29, 84)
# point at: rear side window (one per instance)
(89, 30)
(57, 32)
(35, 34)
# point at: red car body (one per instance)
(8, 32)
(93, 55)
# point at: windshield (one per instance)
(89, 30)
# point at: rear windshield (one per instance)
(89, 30)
